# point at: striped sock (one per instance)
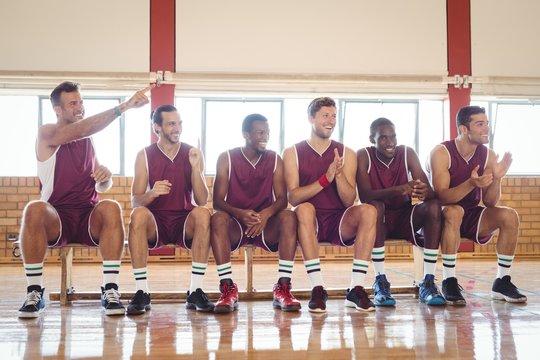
(313, 268)
(449, 265)
(141, 282)
(111, 269)
(197, 276)
(377, 257)
(285, 268)
(503, 265)
(430, 261)
(224, 271)
(34, 274)
(359, 271)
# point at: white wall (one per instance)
(312, 36)
(70, 35)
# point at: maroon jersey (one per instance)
(384, 176)
(251, 185)
(65, 177)
(177, 171)
(311, 165)
(460, 171)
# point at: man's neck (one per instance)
(251, 154)
(465, 148)
(170, 149)
(318, 143)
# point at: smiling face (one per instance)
(324, 122)
(385, 141)
(71, 108)
(257, 137)
(478, 130)
(170, 128)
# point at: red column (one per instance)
(162, 58)
(458, 23)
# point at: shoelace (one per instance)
(112, 296)
(32, 298)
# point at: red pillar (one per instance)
(162, 58)
(458, 23)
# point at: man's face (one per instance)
(478, 131)
(385, 141)
(71, 108)
(324, 122)
(258, 137)
(171, 127)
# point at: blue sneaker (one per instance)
(429, 293)
(381, 292)
(34, 303)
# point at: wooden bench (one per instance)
(67, 291)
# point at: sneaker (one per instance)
(228, 301)
(381, 292)
(110, 300)
(199, 301)
(139, 303)
(429, 293)
(451, 292)
(34, 303)
(503, 289)
(317, 303)
(283, 299)
(358, 299)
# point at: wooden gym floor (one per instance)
(483, 329)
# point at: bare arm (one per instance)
(297, 194)
(50, 136)
(345, 176)
(140, 196)
(420, 183)
(198, 182)
(103, 178)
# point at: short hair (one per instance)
(464, 114)
(378, 123)
(66, 86)
(156, 116)
(318, 103)
(248, 121)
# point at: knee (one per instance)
(220, 221)
(305, 212)
(34, 212)
(138, 217)
(368, 213)
(201, 215)
(287, 219)
(109, 209)
(380, 207)
(509, 218)
(453, 215)
(433, 209)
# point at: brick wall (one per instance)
(521, 193)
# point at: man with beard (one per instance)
(465, 172)
(320, 176)
(389, 176)
(169, 175)
(250, 198)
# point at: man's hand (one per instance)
(161, 187)
(257, 228)
(420, 189)
(335, 167)
(195, 156)
(500, 168)
(480, 181)
(101, 174)
(139, 99)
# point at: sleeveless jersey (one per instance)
(311, 165)
(177, 171)
(251, 186)
(65, 177)
(384, 176)
(460, 171)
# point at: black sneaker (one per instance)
(110, 300)
(358, 299)
(451, 292)
(199, 301)
(34, 303)
(317, 303)
(503, 289)
(139, 303)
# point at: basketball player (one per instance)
(465, 171)
(251, 199)
(69, 210)
(320, 177)
(389, 176)
(169, 175)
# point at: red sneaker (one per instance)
(283, 299)
(228, 301)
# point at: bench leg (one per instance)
(418, 256)
(66, 257)
(248, 261)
